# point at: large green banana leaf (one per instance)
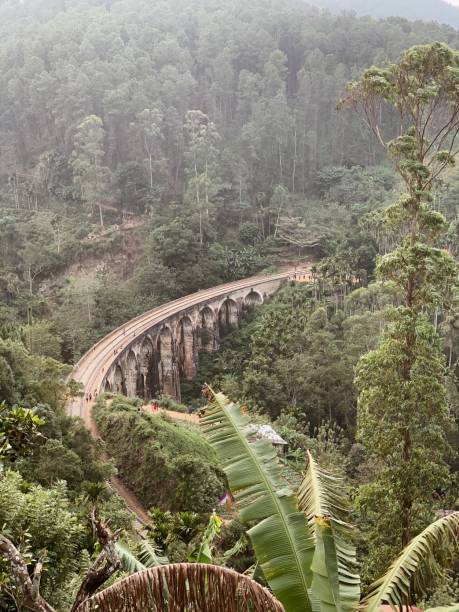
(281, 538)
(415, 565)
(321, 493)
(336, 582)
(325, 581)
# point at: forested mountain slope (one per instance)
(428, 10)
(148, 149)
(152, 148)
(268, 74)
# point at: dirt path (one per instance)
(132, 502)
(181, 416)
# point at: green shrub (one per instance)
(166, 402)
(167, 464)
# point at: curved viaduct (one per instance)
(151, 353)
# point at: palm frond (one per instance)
(146, 558)
(321, 493)
(184, 587)
(325, 591)
(336, 581)
(281, 538)
(149, 556)
(415, 566)
(129, 562)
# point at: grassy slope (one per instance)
(167, 464)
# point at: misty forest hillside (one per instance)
(427, 10)
(236, 62)
(153, 148)
(129, 128)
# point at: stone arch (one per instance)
(186, 347)
(119, 383)
(207, 330)
(107, 386)
(147, 383)
(131, 373)
(167, 368)
(227, 315)
(253, 298)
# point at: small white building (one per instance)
(266, 432)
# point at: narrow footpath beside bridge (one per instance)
(149, 354)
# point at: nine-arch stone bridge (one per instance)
(151, 353)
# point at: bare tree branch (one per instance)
(29, 587)
(104, 566)
(36, 578)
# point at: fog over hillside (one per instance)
(428, 10)
(229, 305)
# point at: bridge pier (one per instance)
(152, 361)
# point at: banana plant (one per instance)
(416, 565)
(301, 539)
(321, 497)
(203, 553)
(282, 542)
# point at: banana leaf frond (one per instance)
(416, 565)
(336, 581)
(145, 558)
(281, 538)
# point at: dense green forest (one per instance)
(151, 149)
(163, 121)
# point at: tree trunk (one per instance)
(294, 160)
(200, 228)
(151, 171)
(29, 587)
(104, 566)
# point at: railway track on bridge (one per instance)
(93, 366)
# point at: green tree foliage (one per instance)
(18, 429)
(149, 122)
(64, 449)
(30, 379)
(168, 130)
(42, 524)
(201, 159)
(403, 412)
(89, 174)
(295, 356)
(431, 10)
